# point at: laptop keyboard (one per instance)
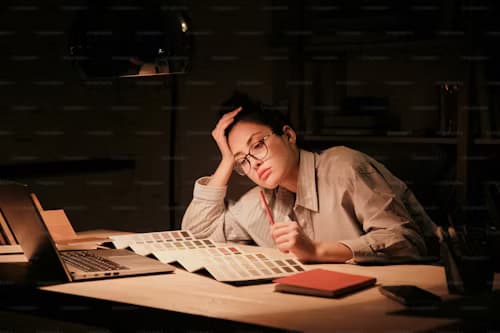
(90, 262)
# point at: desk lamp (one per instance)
(110, 40)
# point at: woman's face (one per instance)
(282, 155)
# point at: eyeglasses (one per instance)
(257, 151)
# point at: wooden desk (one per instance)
(198, 302)
(196, 294)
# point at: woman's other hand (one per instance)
(289, 237)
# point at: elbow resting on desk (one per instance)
(396, 248)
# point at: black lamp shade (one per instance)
(111, 39)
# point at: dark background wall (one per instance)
(100, 148)
(59, 132)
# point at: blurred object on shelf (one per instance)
(361, 115)
(448, 108)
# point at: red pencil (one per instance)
(266, 206)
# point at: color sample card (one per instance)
(169, 256)
(150, 238)
(197, 259)
(251, 266)
(151, 248)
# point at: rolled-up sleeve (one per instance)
(390, 233)
(209, 216)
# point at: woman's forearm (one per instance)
(332, 252)
(222, 174)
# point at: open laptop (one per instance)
(46, 264)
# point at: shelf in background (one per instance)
(348, 43)
(381, 139)
(487, 141)
(58, 168)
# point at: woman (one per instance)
(337, 206)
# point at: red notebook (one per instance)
(321, 282)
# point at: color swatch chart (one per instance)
(224, 263)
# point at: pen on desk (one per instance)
(266, 206)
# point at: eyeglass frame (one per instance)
(240, 171)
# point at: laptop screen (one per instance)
(17, 207)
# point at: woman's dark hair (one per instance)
(253, 111)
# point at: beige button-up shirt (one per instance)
(342, 196)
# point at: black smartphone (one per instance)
(410, 295)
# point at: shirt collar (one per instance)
(307, 193)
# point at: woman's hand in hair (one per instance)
(219, 136)
(223, 172)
